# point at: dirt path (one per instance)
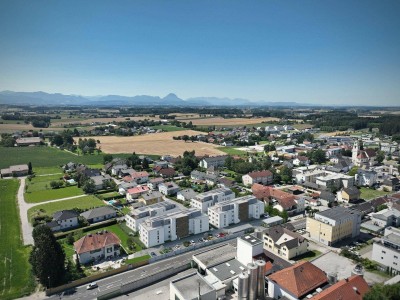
(23, 211)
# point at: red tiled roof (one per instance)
(299, 279)
(95, 241)
(256, 174)
(138, 189)
(352, 288)
(139, 174)
(127, 179)
(167, 172)
(267, 193)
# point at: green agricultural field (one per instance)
(85, 202)
(231, 151)
(16, 278)
(168, 128)
(43, 157)
(369, 194)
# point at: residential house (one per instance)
(169, 188)
(97, 246)
(151, 197)
(208, 199)
(172, 226)
(333, 225)
(386, 217)
(366, 177)
(352, 288)
(64, 220)
(140, 177)
(213, 161)
(226, 183)
(301, 161)
(386, 252)
(126, 172)
(234, 211)
(186, 194)
(125, 186)
(14, 171)
(197, 175)
(349, 194)
(101, 181)
(135, 192)
(284, 242)
(262, 177)
(167, 172)
(115, 169)
(327, 198)
(391, 184)
(99, 214)
(155, 182)
(296, 282)
(70, 167)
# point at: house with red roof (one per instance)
(279, 199)
(295, 282)
(97, 246)
(140, 177)
(135, 192)
(262, 177)
(352, 288)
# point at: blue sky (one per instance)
(326, 52)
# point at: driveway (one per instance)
(23, 211)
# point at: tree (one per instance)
(89, 186)
(353, 171)
(30, 168)
(47, 257)
(383, 292)
(107, 158)
(380, 156)
(145, 164)
(70, 239)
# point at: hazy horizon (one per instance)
(321, 53)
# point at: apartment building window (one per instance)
(395, 257)
(395, 263)
(384, 252)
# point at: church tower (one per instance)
(354, 152)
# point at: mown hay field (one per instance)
(218, 121)
(156, 143)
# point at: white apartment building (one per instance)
(234, 211)
(208, 199)
(171, 226)
(140, 214)
(387, 252)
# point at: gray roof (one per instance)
(188, 193)
(328, 196)
(276, 232)
(352, 191)
(338, 213)
(98, 212)
(251, 239)
(189, 286)
(65, 215)
(217, 255)
(228, 269)
(151, 195)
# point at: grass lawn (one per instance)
(16, 279)
(308, 256)
(39, 190)
(231, 151)
(85, 202)
(47, 170)
(368, 194)
(137, 259)
(168, 128)
(52, 194)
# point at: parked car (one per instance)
(153, 254)
(92, 285)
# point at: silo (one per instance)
(261, 280)
(243, 286)
(253, 272)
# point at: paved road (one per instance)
(114, 281)
(23, 211)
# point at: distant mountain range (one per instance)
(46, 99)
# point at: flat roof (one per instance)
(337, 213)
(189, 286)
(250, 239)
(228, 269)
(216, 256)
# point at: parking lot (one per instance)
(342, 266)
